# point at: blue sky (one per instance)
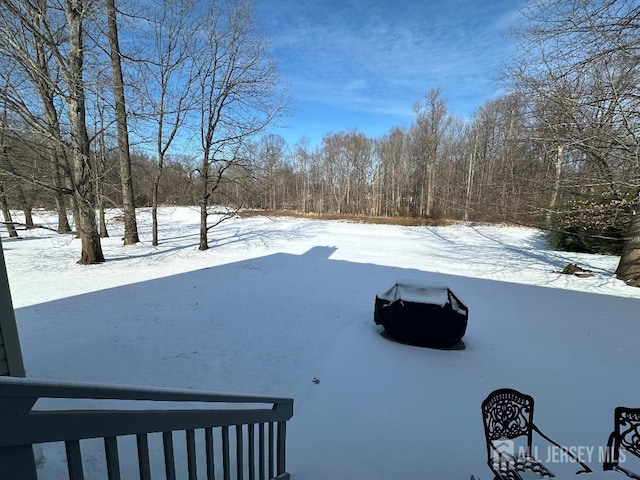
(362, 64)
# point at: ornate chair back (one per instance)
(626, 435)
(507, 415)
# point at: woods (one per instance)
(186, 69)
(104, 104)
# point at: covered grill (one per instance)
(424, 314)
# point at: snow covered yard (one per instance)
(277, 302)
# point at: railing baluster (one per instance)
(271, 463)
(191, 455)
(211, 466)
(169, 460)
(226, 474)
(239, 453)
(74, 460)
(111, 452)
(143, 456)
(281, 447)
(261, 466)
(250, 451)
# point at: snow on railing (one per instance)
(22, 426)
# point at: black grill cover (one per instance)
(424, 314)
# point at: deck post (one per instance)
(18, 462)
(9, 341)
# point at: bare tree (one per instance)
(124, 154)
(99, 170)
(6, 213)
(61, 33)
(429, 130)
(584, 56)
(271, 155)
(72, 66)
(238, 95)
(347, 158)
(31, 92)
(395, 172)
(168, 75)
(7, 165)
(45, 85)
(470, 173)
(302, 159)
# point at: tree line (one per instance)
(180, 116)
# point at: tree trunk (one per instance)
(204, 202)
(91, 247)
(99, 170)
(128, 203)
(21, 198)
(26, 209)
(556, 184)
(59, 182)
(11, 228)
(99, 186)
(102, 222)
(430, 187)
(204, 245)
(467, 201)
(23, 204)
(63, 220)
(154, 203)
(76, 217)
(156, 180)
(629, 266)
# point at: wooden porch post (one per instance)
(10, 352)
(19, 461)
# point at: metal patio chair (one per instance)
(625, 436)
(508, 416)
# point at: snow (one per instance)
(278, 301)
(417, 292)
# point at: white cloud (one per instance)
(381, 56)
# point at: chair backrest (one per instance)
(626, 434)
(507, 414)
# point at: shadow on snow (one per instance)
(268, 325)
